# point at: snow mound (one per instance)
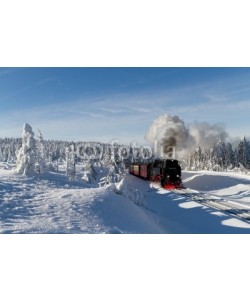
(130, 192)
(211, 181)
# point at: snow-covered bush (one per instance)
(26, 156)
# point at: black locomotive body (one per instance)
(165, 171)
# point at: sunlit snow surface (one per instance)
(50, 203)
(231, 186)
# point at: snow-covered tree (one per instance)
(115, 173)
(115, 153)
(89, 173)
(26, 156)
(196, 159)
(71, 161)
(230, 157)
(41, 165)
(243, 153)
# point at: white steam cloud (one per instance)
(206, 135)
(170, 135)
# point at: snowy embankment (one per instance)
(50, 203)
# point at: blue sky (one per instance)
(104, 104)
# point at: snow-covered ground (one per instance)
(230, 186)
(50, 203)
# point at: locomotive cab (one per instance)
(171, 175)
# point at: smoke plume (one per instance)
(206, 135)
(170, 136)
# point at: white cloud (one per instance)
(130, 114)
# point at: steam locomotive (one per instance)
(165, 171)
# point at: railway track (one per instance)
(226, 206)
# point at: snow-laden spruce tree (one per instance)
(41, 165)
(196, 159)
(230, 157)
(26, 156)
(243, 153)
(115, 174)
(71, 161)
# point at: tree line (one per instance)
(44, 155)
(220, 157)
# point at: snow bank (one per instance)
(209, 182)
(130, 192)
